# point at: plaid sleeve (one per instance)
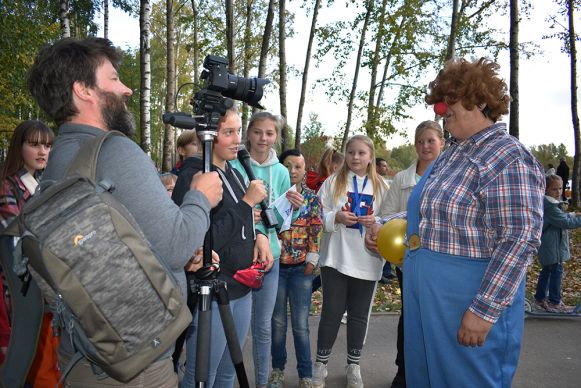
(514, 206)
(8, 204)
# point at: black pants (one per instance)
(340, 293)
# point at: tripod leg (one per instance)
(231, 336)
(203, 336)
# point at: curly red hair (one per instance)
(472, 83)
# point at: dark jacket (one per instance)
(563, 172)
(555, 238)
(232, 223)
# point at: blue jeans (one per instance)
(294, 287)
(550, 281)
(221, 371)
(263, 300)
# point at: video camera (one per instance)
(212, 101)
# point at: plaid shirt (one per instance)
(484, 200)
(13, 195)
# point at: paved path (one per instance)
(550, 357)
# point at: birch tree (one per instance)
(168, 143)
(282, 72)
(368, 12)
(145, 70)
(298, 129)
(65, 21)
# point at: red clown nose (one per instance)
(440, 108)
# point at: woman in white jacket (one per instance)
(429, 142)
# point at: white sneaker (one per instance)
(319, 375)
(276, 379)
(354, 376)
(344, 318)
(305, 382)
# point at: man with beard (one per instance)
(76, 82)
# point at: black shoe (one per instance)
(384, 280)
(398, 381)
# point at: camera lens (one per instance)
(249, 90)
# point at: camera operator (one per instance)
(76, 82)
(236, 241)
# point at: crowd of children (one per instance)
(330, 212)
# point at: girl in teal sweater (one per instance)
(262, 134)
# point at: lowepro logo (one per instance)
(79, 239)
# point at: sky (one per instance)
(545, 97)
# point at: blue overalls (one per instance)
(438, 290)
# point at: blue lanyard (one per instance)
(357, 200)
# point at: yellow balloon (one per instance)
(391, 241)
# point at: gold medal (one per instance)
(414, 242)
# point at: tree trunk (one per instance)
(196, 51)
(65, 21)
(168, 144)
(298, 129)
(453, 31)
(514, 67)
(106, 19)
(265, 42)
(371, 116)
(230, 35)
(356, 75)
(246, 57)
(145, 69)
(388, 60)
(266, 39)
(282, 70)
(574, 105)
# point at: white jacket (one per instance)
(400, 190)
(343, 248)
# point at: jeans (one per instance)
(263, 300)
(294, 287)
(221, 372)
(550, 281)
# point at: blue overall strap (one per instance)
(413, 212)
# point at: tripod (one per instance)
(205, 286)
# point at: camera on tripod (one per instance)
(215, 98)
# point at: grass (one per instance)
(387, 297)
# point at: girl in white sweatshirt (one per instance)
(352, 198)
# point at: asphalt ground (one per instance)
(550, 355)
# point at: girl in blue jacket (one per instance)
(554, 249)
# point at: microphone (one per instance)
(267, 214)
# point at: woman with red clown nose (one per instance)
(475, 220)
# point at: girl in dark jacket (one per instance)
(234, 239)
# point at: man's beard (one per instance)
(116, 115)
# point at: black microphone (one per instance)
(267, 214)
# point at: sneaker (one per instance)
(305, 382)
(319, 375)
(560, 308)
(344, 318)
(276, 379)
(354, 376)
(540, 305)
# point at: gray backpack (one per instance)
(112, 296)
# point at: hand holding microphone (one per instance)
(267, 214)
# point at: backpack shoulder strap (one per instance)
(85, 162)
